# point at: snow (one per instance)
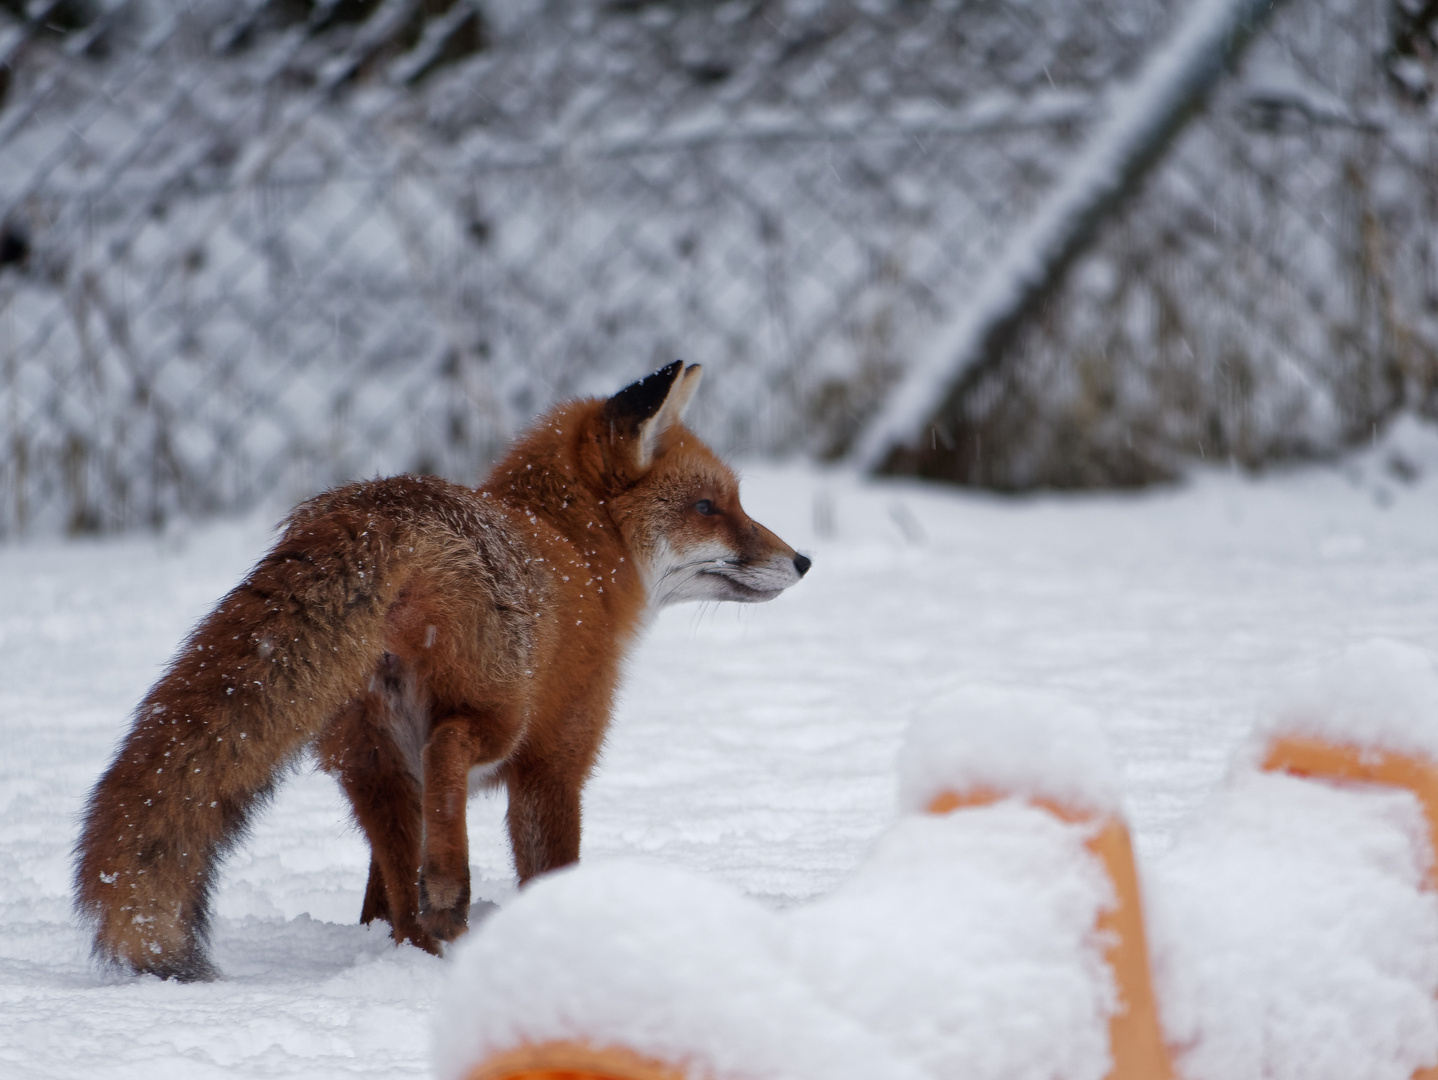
(757, 747)
(964, 946)
(1011, 741)
(969, 941)
(1378, 694)
(663, 962)
(1292, 939)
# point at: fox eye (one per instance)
(705, 507)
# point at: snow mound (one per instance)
(1379, 694)
(966, 944)
(1021, 742)
(968, 940)
(1292, 939)
(1292, 936)
(656, 960)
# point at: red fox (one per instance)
(412, 630)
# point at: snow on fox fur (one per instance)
(412, 630)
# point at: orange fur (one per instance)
(411, 630)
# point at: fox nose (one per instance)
(802, 564)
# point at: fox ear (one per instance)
(677, 403)
(644, 410)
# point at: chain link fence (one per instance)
(1270, 291)
(252, 249)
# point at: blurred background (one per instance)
(255, 247)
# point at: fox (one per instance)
(416, 635)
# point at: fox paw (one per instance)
(443, 907)
(413, 935)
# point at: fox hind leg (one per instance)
(463, 738)
(360, 750)
(376, 896)
(455, 745)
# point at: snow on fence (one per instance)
(1001, 928)
(1266, 288)
(1144, 116)
(250, 249)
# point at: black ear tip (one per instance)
(666, 375)
(641, 400)
(663, 377)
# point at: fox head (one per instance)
(680, 510)
(629, 459)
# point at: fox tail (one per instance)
(251, 687)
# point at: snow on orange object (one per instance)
(1302, 755)
(1135, 1040)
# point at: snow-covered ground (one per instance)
(754, 745)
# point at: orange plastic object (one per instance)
(572, 1061)
(1135, 1038)
(1303, 755)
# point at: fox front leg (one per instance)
(544, 814)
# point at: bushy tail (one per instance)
(253, 684)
